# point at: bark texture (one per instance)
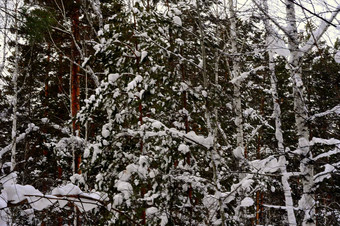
(307, 202)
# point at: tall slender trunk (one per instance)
(259, 194)
(278, 130)
(60, 92)
(75, 80)
(45, 102)
(60, 76)
(75, 92)
(46, 88)
(239, 152)
(4, 44)
(236, 71)
(143, 189)
(86, 122)
(212, 128)
(15, 89)
(307, 201)
(215, 132)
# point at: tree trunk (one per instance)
(239, 152)
(307, 201)
(278, 131)
(4, 43)
(212, 129)
(75, 79)
(15, 89)
(235, 74)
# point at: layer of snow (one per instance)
(334, 110)
(238, 153)
(134, 82)
(164, 220)
(331, 141)
(324, 174)
(191, 136)
(278, 46)
(337, 57)
(247, 201)
(105, 131)
(177, 20)
(267, 165)
(143, 55)
(245, 75)
(113, 77)
(31, 127)
(151, 211)
(328, 154)
(69, 189)
(244, 185)
(125, 188)
(183, 148)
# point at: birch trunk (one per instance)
(236, 71)
(278, 131)
(15, 89)
(306, 203)
(4, 44)
(212, 128)
(239, 152)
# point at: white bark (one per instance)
(4, 33)
(86, 97)
(15, 89)
(301, 115)
(211, 131)
(236, 71)
(278, 131)
(235, 74)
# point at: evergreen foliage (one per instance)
(159, 129)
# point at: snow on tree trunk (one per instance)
(278, 130)
(215, 133)
(239, 152)
(4, 43)
(236, 71)
(212, 131)
(15, 88)
(306, 203)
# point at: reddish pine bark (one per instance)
(75, 78)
